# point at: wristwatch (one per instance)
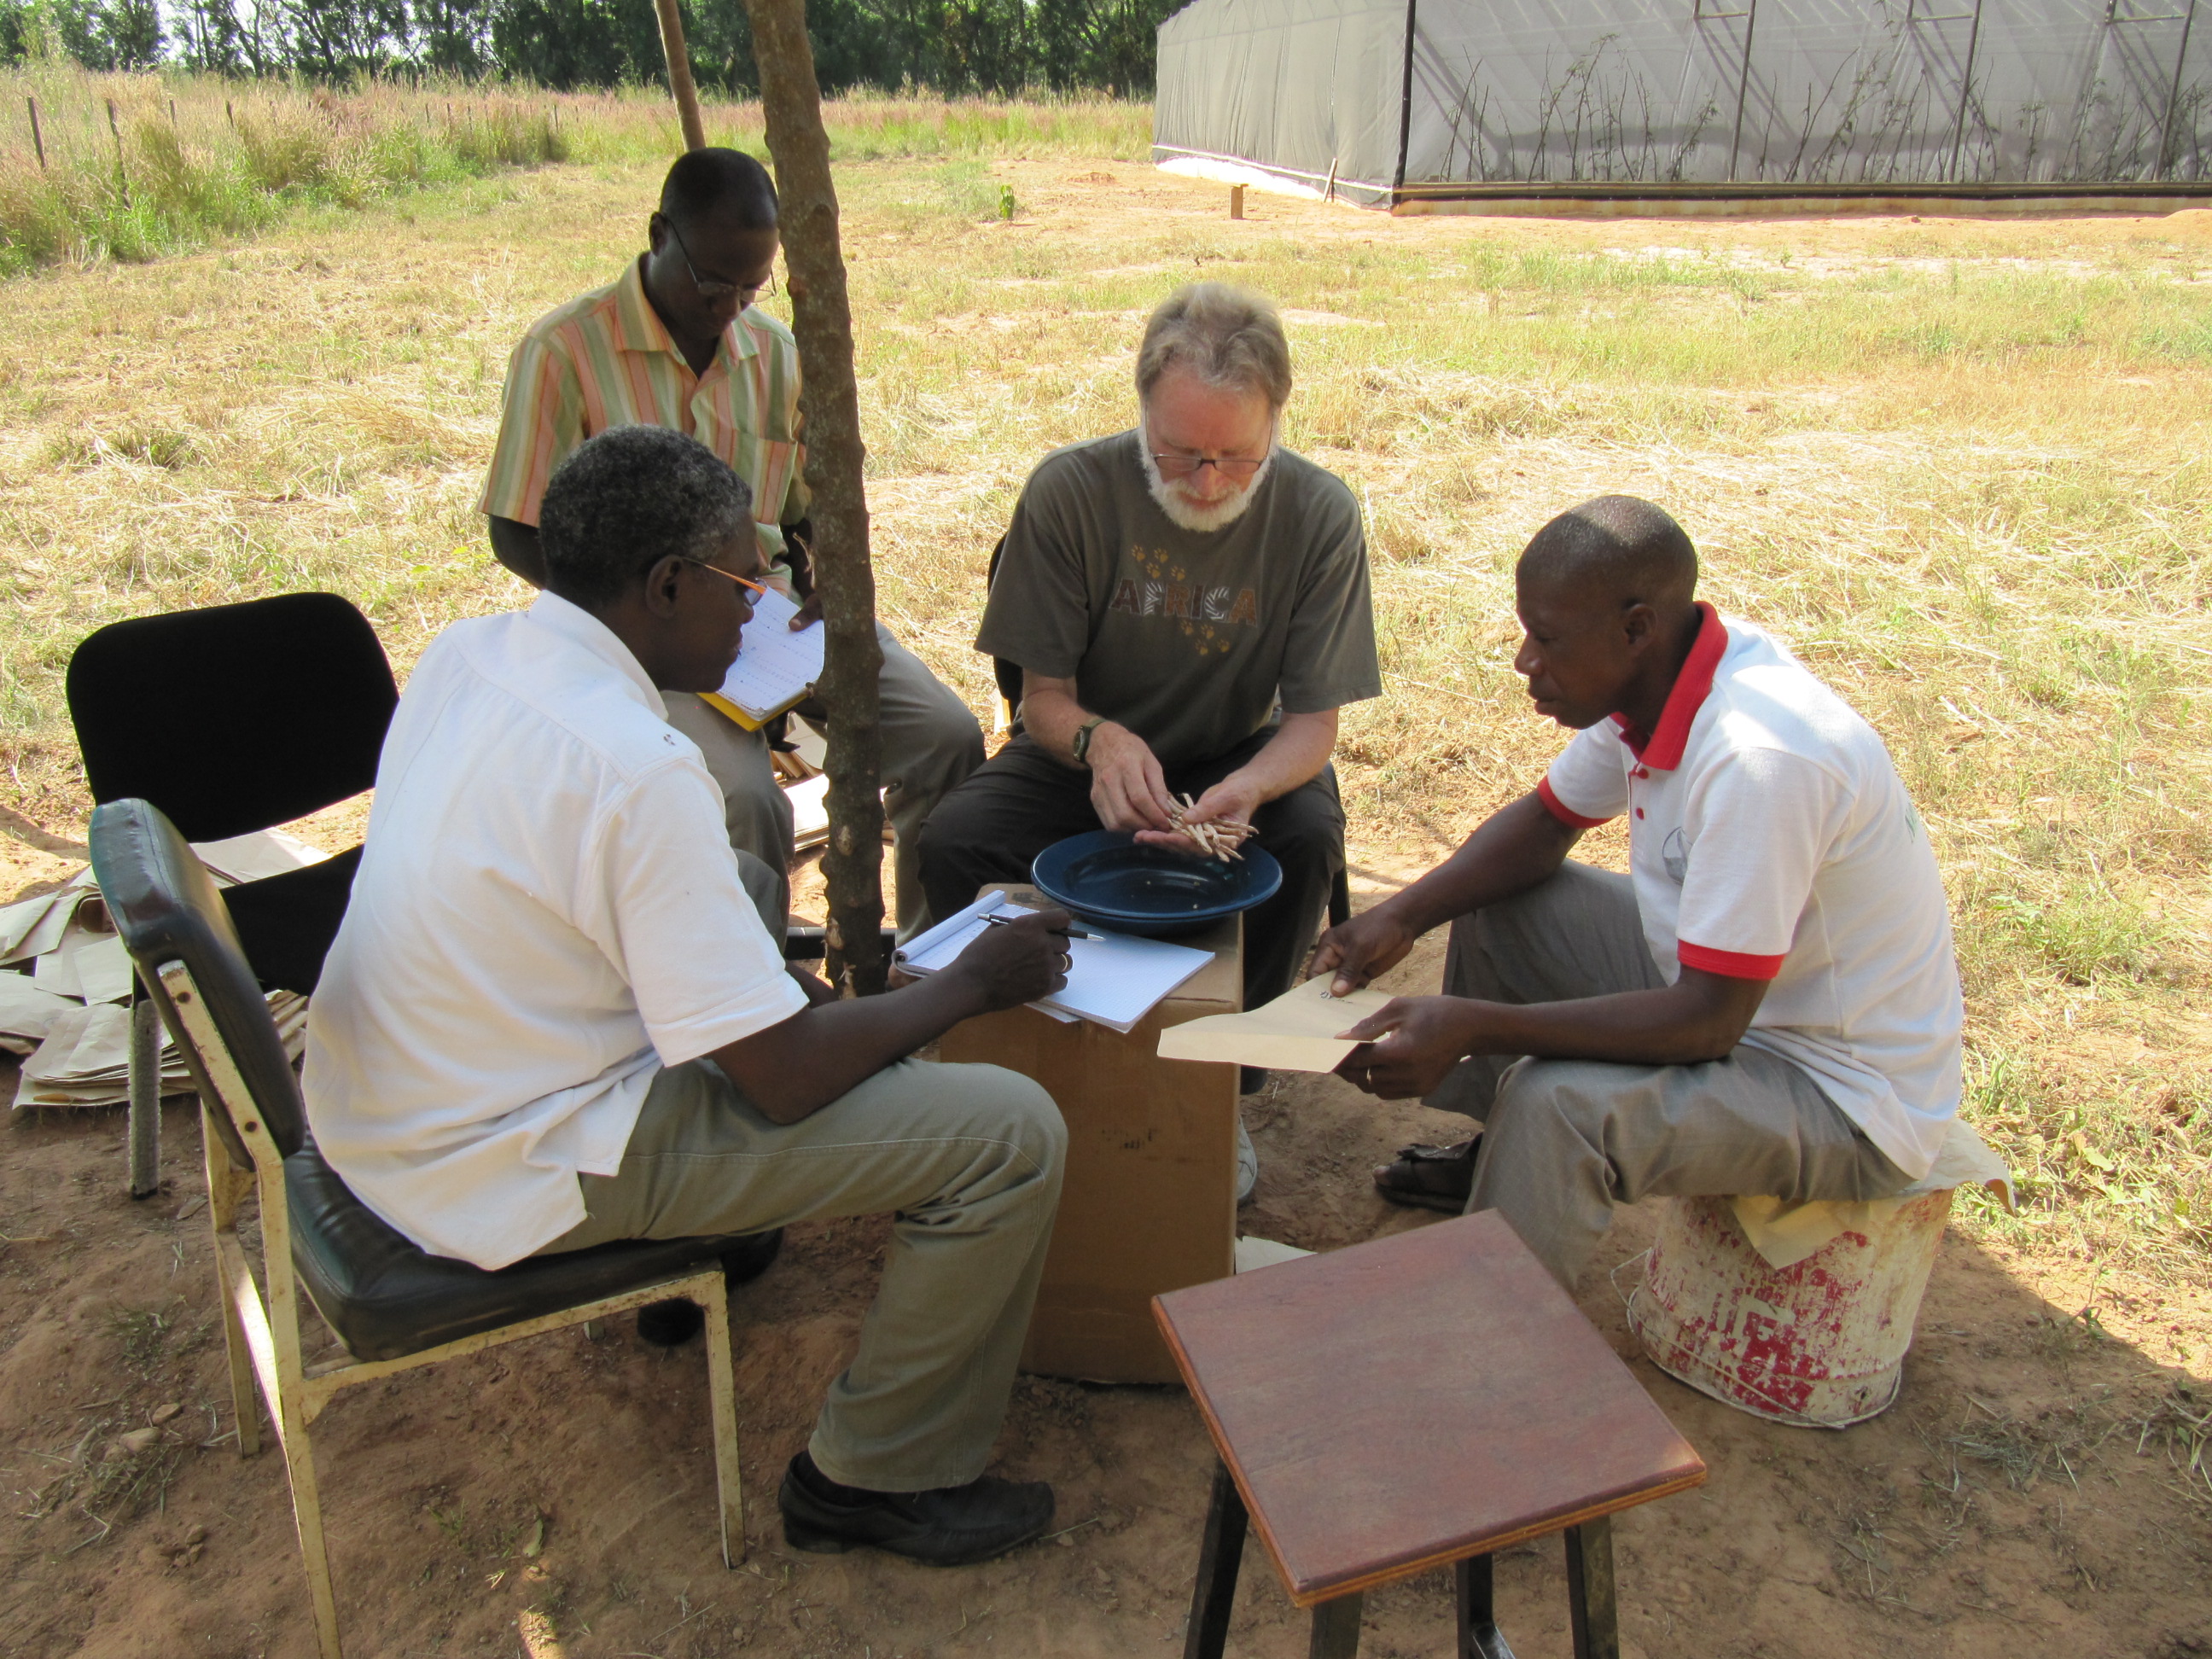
(1080, 745)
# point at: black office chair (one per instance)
(234, 717)
(1008, 676)
(393, 1306)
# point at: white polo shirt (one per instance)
(1770, 837)
(547, 913)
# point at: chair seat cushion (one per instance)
(387, 1299)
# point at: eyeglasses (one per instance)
(1189, 466)
(715, 293)
(742, 582)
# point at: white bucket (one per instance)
(1818, 1345)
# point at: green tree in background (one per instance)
(956, 47)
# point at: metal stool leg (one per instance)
(1336, 1628)
(1589, 1590)
(1478, 1635)
(1219, 1556)
(145, 1072)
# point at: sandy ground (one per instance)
(2022, 1492)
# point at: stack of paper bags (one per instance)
(65, 983)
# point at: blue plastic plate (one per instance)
(1105, 876)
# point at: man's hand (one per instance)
(1409, 1045)
(1128, 791)
(1235, 797)
(1019, 961)
(1363, 948)
(809, 611)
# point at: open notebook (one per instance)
(775, 667)
(1114, 981)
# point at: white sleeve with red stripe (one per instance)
(1758, 822)
(1589, 783)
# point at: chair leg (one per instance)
(1336, 1628)
(1339, 899)
(1220, 1553)
(145, 1073)
(722, 1401)
(307, 1513)
(1590, 1599)
(1478, 1635)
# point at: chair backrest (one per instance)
(1007, 674)
(232, 718)
(168, 909)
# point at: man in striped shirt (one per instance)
(676, 341)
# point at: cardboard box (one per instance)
(1151, 1199)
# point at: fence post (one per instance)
(122, 178)
(37, 139)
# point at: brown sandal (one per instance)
(1430, 1177)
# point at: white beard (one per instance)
(1189, 516)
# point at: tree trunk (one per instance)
(679, 74)
(852, 866)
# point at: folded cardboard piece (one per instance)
(1296, 1032)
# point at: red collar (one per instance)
(1664, 748)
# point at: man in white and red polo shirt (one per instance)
(1766, 1004)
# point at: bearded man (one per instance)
(1189, 604)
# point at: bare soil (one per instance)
(2024, 1493)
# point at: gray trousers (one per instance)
(930, 743)
(969, 1160)
(1566, 1139)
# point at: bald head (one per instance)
(1617, 550)
(1607, 595)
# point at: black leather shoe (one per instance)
(948, 1527)
(748, 1258)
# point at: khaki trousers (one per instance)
(968, 1158)
(930, 743)
(1566, 1139)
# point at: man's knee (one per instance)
(1306, 828)
(1018, 1110)
(1546, 1098)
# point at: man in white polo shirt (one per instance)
(1768, 1002)
(555, 1016)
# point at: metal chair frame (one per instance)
(262, 1330)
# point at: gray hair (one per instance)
(1228, 337)
(627, 499)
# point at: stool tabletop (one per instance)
(1414, 1401)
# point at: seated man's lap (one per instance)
(703, 1160)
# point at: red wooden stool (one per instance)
(1426, 1399)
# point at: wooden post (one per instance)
(1237, 201)
(37, 139)
(852, 866)
(679, 76)
(122, 178)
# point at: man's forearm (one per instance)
(1292, 758)
(514, 545)
(1517, 847)
(797, 1067)
(1051, 715)
(1700, 1016)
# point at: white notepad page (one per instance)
(1114, 981)
(774, 666)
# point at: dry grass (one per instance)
(132, 167)
(1961, 467)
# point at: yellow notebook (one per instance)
(775, 668)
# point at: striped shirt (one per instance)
(606, 360)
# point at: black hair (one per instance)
(627, 499)
(1621, 547)
(705, 183)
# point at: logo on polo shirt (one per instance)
(1675, 854)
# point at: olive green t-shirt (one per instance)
(1185, 637)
